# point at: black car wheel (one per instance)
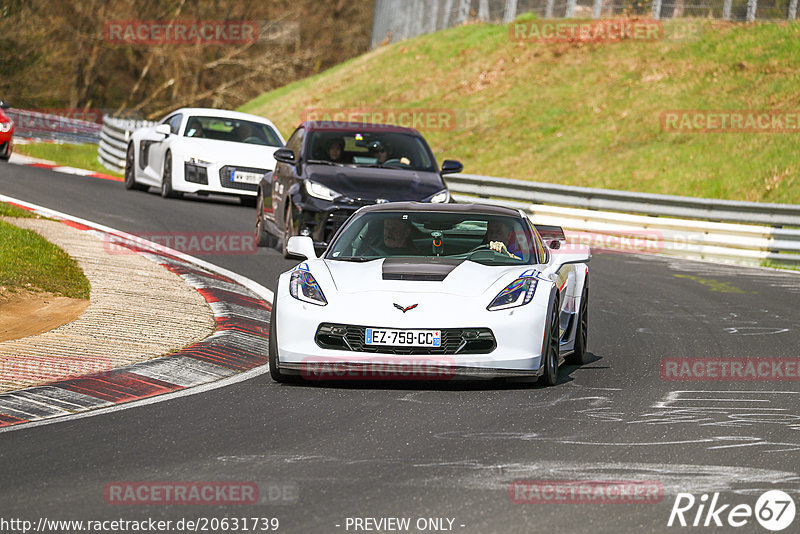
(5, 151)
(550, 375)
(288, 230)
(130, 169)
(579, 357)
(166, 178)
(263, 238)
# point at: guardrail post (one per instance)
(463, 11)
(597, 7)
(751, 10)
(726, 9)
(570, 13)
(656, 9)
(792, 10)
(548, 9)
(510, 12)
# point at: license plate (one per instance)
(244, 177)
(403, 338)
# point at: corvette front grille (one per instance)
(454, 341)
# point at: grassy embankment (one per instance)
(28, 262)
(583, 114)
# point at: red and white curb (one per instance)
(21, 159)
(236, 351)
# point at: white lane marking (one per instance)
(253, 286)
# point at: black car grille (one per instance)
(335, 220)
(454, 341)
(225, 177)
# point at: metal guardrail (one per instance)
(37, 125)
(744, 232)
(113, 141)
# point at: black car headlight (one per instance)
(440, 197)
(517, 293)
(302, 286)
(321, 192)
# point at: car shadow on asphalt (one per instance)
(448, 384)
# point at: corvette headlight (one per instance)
(6, 126)
(517, 293)
(302, 286)
(441, 196)
(320, 191)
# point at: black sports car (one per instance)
(328, 170)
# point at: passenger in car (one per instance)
(194, 128)
(336, 150)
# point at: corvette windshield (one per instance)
(234, 130)
(371, 149)
(485, 239)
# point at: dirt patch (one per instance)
(28, 313)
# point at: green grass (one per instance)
(7, 210)
(28, 261)
(79, 156)
(583, 114)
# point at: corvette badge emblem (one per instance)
(402, 309)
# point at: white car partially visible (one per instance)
(203, 151)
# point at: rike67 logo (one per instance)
(774, 510)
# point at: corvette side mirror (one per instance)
(163, 129)
(302, 246)
(4, 104)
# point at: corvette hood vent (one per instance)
(419, 269)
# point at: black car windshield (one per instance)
(234, 130)
(485, 239)
(371, 149)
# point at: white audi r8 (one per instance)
(419, 290)
(199, 150)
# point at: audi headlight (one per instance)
(6, 126)
(441, 196)
(302, 286)
(517, 293)
(320, 191)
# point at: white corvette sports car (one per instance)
(198, 150)
(412, 290)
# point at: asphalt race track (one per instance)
(449, 450)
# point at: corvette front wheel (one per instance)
(274, 370)
(550, 357)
